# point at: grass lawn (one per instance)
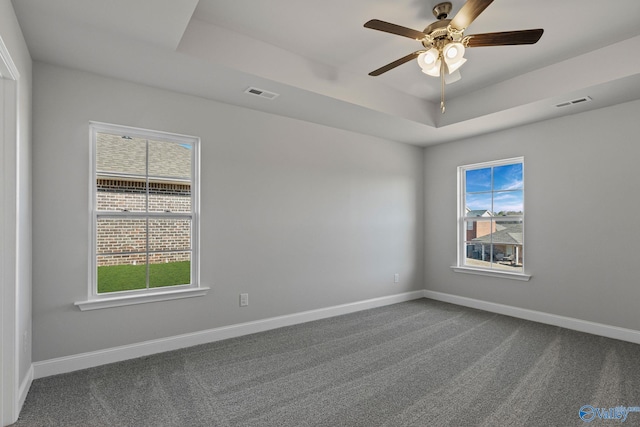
(116, 278)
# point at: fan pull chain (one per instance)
(442, 86)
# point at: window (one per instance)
(491, 218)
(144, 215)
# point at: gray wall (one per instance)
(298, 215)
(16, 183)
(582, 238)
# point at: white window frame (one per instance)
(461, 267)
(115, 299)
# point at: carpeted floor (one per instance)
(419, 363)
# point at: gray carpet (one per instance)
(419, 363)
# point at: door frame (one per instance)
(9, 336)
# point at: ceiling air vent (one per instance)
(261, 93)
(574, 102)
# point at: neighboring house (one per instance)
(506, 241)
(121, 186)
(479, 228)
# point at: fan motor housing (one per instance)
(437, 30)
(442, 10)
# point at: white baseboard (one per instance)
(10, 412)
(116, 354)
(24, 388)
(608, 331)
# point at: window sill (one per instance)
(121, 300)
(492, 273)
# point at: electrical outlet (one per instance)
(396, 278)
(244, 300)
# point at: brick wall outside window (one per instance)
(117, 235)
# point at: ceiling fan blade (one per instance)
(504, 38)
(388, 27)
(395, 63)
(468, 13)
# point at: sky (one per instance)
(495, 189)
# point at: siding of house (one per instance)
(129, 235)
(481, 228)
(118, 195)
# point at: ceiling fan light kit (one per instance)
(429, 61)
(444, 41)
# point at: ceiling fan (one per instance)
(444, 41)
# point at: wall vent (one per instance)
(261, 93)
(574, 102)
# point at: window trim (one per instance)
(460, 266)
(491, 273)
(114, 299)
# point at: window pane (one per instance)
(121, 272)
(477, 229)
(169, 234)
(118, 235)
(495, 257)
(492, 240)
(118, 195)
(170, 159)
(167, 197)
(121, 155)
(169, 269)
(505, 260)
(478, 243)
(479, 204)
(508, 202)
(507, 245)
(478, 180)
(148, 177)
(508, 177)
(494, 244)
(477, 254)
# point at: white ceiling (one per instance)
(317, 55)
